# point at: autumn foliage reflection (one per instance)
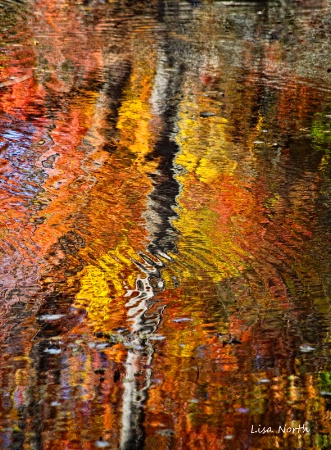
(163, 227)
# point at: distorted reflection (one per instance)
(165, 205)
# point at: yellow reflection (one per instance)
(104, 283)
(205, 154)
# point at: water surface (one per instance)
(165, 224)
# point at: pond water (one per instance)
(165, 242)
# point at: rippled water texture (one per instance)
(165, 185)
